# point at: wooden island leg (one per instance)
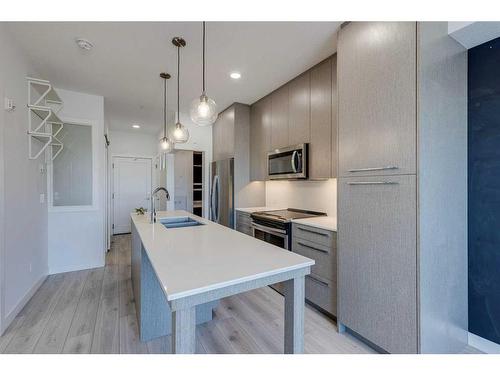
(294, 315)
(183, 331)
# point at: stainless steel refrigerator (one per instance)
(222, 192)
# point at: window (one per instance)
(72, 168)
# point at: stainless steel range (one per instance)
(275, 227)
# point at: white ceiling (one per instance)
(127, 57)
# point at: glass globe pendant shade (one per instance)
(203, 111)
(166, 145)
(180, 133)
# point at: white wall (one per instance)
(308, 195)
(132, 143)
(77, 236)
(23, 236)
(471, 34)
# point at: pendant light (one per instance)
(203, 109)
(165, 143)
(180, 133)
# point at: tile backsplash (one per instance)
(307, 195)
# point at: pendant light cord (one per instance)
(203, 57)
(178, 80)
(164, 107)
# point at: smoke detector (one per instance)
(84, 44)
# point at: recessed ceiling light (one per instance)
(235, 75)
(84, 44)
(135, 126)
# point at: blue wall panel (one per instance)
(484, 190)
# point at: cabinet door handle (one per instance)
(312, 231)
(374, 183)
(316, 279)
(312, 247)
(373, 169)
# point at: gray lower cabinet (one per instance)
(320, 245)
(377, 259)
(244, 222)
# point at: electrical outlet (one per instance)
(31, 268)
(42, 198)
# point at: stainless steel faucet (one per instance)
(153, 208)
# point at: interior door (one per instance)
(132, 189)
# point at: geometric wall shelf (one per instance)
(43, 123)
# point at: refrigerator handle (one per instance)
(218, 200)
(212, 198)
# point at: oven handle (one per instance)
(278, 232)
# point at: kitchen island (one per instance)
(197, 265)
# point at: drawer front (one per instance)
(313, 234)
(322, 292)
(247, 229)
(325, 257)
(243, 217)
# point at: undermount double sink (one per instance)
(179, 222)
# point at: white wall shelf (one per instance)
(43, 123)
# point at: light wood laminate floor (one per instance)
(93, 311)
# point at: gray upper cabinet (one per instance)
(377, 257)
(260, 131)
(302, 111)
(223, 135)
(299, 110)
(320, 161)
(377, 105)
(279, 119)
(335, 153)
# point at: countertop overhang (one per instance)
(199, 259)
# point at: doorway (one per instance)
(131, 189)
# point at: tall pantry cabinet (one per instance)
(402, 256)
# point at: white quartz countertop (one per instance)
(322, 222)
(193, 260)
(258, 209)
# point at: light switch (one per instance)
(42, 198)
(9, 105)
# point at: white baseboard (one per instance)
(9, 318)
(71, 268)
(483, 344)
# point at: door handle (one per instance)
(312, 231)
(312, 247)
(374, 183)
(294, 167)
(218, 200)
(316, 279)
(373, 169)
(214, 196)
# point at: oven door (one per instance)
(288, 163)
(274, 236)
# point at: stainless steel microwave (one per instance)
(288, 163)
